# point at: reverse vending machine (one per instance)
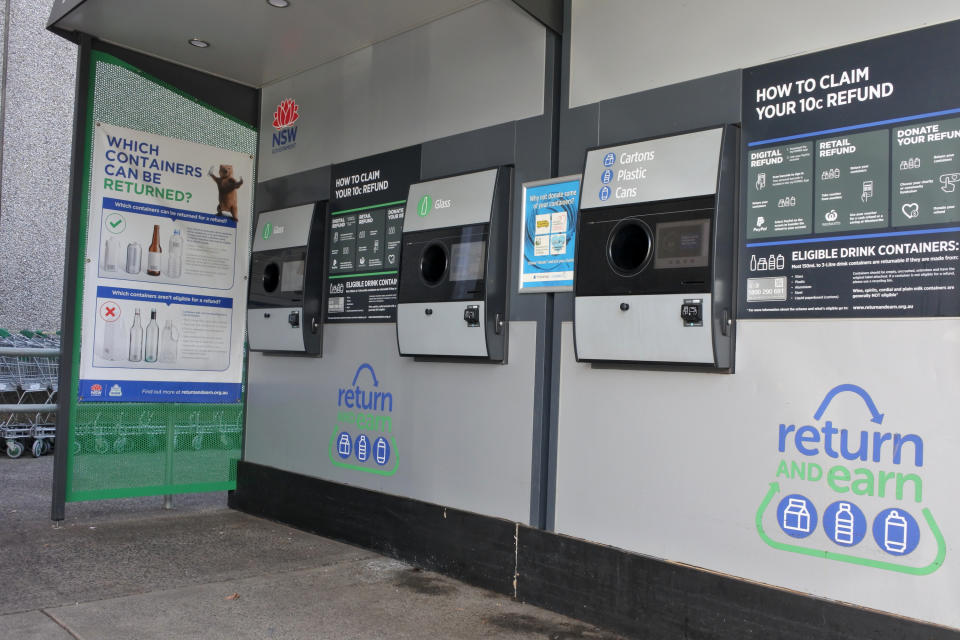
(286, 281)
(453, 296)
(654, 277)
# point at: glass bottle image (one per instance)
(153, 338)
(135, 352)
(134, 258)
(175, 255)
(169, 341)
(154, 253)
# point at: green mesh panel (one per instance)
(119, 450)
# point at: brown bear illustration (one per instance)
(227, 188)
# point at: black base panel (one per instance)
(631, 594)
(475, 549)
(650, 598)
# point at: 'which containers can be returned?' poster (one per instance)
(164, 291)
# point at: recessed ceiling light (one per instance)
(279, 4)
(197, 42)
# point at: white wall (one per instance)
(620, 47)
(473, 69)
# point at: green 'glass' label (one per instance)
(424, 206)
(267, 231)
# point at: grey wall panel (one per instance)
(296, 188)
(579, 131)
(474, 69)
(463, 431)
(676, 465)
(481, 149)
(685, 106)
(619, 47)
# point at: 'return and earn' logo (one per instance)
(286, 114)
(854, 490)
(362, 438)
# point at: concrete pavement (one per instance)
(127, 569)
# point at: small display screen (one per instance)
(682, 244)
(291, 279)
(466, 260)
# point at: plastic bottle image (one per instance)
(134, 258)
(169, 341)
(135, 352)
(843, 526)
(154, 253)
(111, 255)
(109, 346)
(895, 532)
(175, 255)
(153, 338)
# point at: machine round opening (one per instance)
(271, 277)
(629, 247)
(433, 263)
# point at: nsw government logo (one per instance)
(362, 436)
(284, 117)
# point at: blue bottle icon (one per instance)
(362, 447)
(843, 524)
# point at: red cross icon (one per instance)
(110, 311)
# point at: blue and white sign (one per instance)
(549, 234)
(606, 176)
(605, 193)
(610, 159)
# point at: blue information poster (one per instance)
(549, 234)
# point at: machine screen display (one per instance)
(682, 244)
(466, 260)
(291, 279)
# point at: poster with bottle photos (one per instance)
(165, 286)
